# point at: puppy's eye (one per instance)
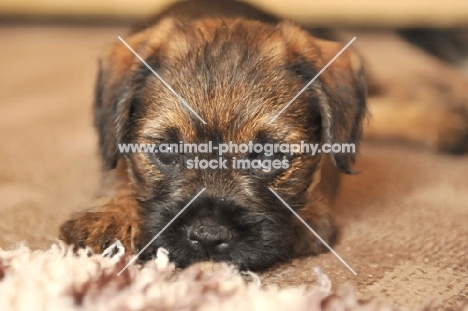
(166, 154)
(268, 165)
(168, 158)
(263, 156)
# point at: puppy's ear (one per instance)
(115, 87)
(344, 109)
(342, 91)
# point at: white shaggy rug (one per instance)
(59, 280)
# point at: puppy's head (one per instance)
(237, 75)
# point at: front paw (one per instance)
(306, 243)
(97, 230)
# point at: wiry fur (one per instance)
(237, 73)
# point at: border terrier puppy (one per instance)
(237, 67)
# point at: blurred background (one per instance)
(429, 23)
(398, 13)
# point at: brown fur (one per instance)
(196, 58)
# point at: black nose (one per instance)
(210, 238)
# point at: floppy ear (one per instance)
(343, 83)
(342, 91)
(115, 88)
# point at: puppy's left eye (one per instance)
(268, 165)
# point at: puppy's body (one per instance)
(237, 67)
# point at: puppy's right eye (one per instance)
(168, 158)
(166, 154)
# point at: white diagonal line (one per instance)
(162, 80)
(313, 231)
(311, 81)
(160, 232)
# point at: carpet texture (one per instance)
(59, 280)
(403, 219)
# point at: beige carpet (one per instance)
(404, 219)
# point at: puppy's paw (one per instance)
(97, 230)
(306, 243)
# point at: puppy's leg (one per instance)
(113, 217)
(421, 100)
(321, 221)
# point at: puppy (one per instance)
(236, 67)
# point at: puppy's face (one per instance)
(237, 75)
